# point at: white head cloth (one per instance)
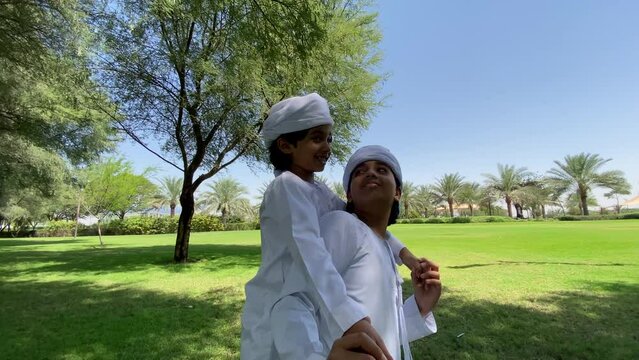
(295, 114)
(367, 153)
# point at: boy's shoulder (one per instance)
(340, 218)
(289, 181)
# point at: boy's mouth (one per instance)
(323, 158)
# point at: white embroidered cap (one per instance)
(295, 114)
(367, 153)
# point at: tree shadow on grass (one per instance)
(8, 242)
(78, 320)
(504, 262)
(599, 324)
(125, 259)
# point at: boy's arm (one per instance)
(307, 248)
(404, 256)
(295, 329)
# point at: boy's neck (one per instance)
(377, 222)
(305, 175)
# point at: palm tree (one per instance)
(580, 173)
(170, 191)
(508, 179)
(471, 195)
(408, 197)
(226, 196)
(448, 188)
(338, 189)
(425, 201)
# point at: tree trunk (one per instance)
(77, 220)
(543, 211)
(173, 209)
(508, 202)
(100, 234)
(520, 211)
(584, 203)
(471, 209)
(187, 201)
(121, 215)
(450, 207)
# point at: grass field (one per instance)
(538, 290)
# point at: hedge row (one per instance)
(456, 220)
(599, 217)
(143, 225)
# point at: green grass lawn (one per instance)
(553, 290)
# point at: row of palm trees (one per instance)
(573, 179)
(226, 197)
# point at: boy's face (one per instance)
(373, 186)
(310, 154)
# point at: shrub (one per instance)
(202, 223)
(436, 220)
(460, 220)
(241, 226)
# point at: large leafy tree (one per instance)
(582, 173)
(198, 77)
(48, 103)
(169, 194)
(227, 197)
(448, 188)
(508, 179)
(112, 188)
(615, 191)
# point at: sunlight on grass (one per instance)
(514, 290)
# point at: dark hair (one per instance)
(280, 160)
(392, 218)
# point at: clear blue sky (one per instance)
(476, 83)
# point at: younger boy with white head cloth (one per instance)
(298, 133)
(359, 246)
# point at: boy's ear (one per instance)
(398, 193)
(284, 146)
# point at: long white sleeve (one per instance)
(295, 329)
(417, 326)
(308, 249)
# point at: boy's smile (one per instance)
(311, 154)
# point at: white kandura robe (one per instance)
(301, 328)
(289, 222)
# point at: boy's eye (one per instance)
(382, 170)
(330, 139)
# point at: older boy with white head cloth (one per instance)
(360, 250)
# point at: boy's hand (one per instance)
(364, 326)
(430, 290)
(356, 346)
(417, 266)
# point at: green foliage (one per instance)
(48, 103)
(113, 188)
(631, 216)
(169, 193)
(456, 220)
(226, 197)
(206, 223)
(582, 172)
(448, 188)
(199, 76)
